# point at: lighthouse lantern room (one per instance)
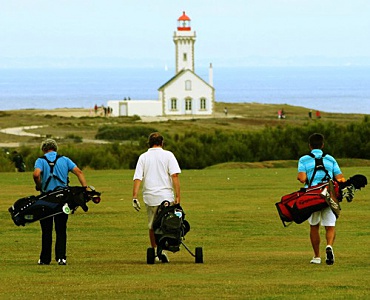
(183, 23)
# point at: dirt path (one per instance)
(21, 130)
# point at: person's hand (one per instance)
(136, 204)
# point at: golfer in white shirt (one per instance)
(159, 171)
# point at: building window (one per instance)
(173, 104)
(188, 104)
(203, 103)
(185, 57)
(188, 85)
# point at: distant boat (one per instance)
(165, 67)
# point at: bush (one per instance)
(127, 133)
(6, 163)
(74, 138)
(199, 150)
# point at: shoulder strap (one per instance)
(52, 175)
(51, 163)
(319, 166)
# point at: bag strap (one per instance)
(319, 166)
(52, 175)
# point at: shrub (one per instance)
(199, 150)
(126, 133)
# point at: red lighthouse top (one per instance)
(183, 23)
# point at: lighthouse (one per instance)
(184, 39)
(185, 93)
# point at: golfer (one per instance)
(159, 171)
(325, 217)
(51, 173)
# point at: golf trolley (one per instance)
(65, 200)
(170, 228)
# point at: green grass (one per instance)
(248, 254)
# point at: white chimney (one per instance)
(210, 79)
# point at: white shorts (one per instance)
(325, 216)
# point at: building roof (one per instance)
(184, 17)
(178, 75)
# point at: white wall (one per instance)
(135, 107)
(199, 89)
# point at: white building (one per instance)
(184, 94)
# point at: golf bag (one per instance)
(170, 226)
(65, 200)
(298, 206)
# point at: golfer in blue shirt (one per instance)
(51, 173)
(325, 217)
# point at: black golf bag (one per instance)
(65, 200)
(170, 226)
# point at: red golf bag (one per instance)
(298, 206)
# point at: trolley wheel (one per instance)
(150, 256)
(198, 255)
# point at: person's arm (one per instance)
(80, 175)
(338, 173)
(340, 178)
(37, 179)
(176, 185)
(135, 190)
(302, 177)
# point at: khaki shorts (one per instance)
(151, 211)
(325, 216)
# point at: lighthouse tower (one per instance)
(184, 40)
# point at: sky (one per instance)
(95, 33)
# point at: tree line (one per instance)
(195, 150)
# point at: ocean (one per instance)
(328, 89)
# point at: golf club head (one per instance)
(358, 181)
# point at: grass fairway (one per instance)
(248, 254)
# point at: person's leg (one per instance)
(330, 235)
(61, 236)
(329, 221)
(46, 240)
(314, 221)
(152, 238)
(151, 212)
(315, 239)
